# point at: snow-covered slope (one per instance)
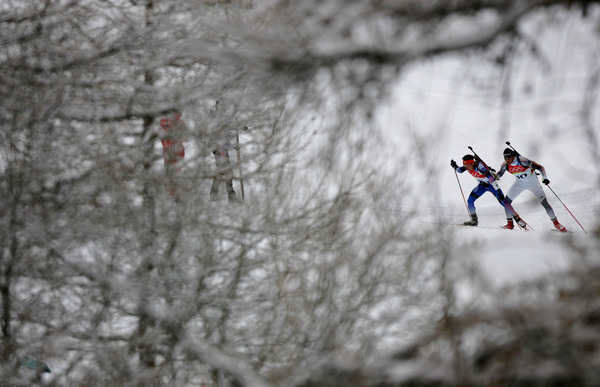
(452, 103)
(508, 256)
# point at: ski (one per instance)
(496, 227)
(562, 232)
(487, 227)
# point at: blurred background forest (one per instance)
(320, 276)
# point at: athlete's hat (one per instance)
(508, 152)
(468, 159)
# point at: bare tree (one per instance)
(110, 279)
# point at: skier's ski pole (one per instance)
(237, 143)
(461, 192)
(511, 208)
(566, 208)
(550, 188)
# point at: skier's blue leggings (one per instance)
(483, 188)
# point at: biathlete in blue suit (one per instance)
(487, 183)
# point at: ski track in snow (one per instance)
(507, 257)
(451, 112)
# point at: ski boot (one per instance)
(472, 222)
(521, 223)
(509, 225)
(559, 226)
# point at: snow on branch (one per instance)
(506, 21)
(333, 34)
(217, 359)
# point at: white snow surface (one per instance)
(457, 102)
(510, 256)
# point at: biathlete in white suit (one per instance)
(524, 171)
(487, 183)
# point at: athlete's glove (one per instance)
(546, 181)
(453, 164)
